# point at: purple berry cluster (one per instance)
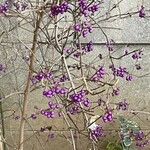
(142, 144)
(83, 5)
(108, 117)
(55, 91)
(33, 116)
(87, 9)
(64, 78)
(85, 49)
(101, 102)
(80, 97)
(121, 72)
(84, 29)
(94, 8)
(140, 139)
(49, 114)
(110, 44)
(4, 7)
(97, 133)
(137, 55)
(69, 50)
(59, 9)
(126, 52)
(77, 54)
(52, 111)
(51, 136)
(116, 92)
(44, 74)
(139, 136)
(142, 12)
(16, 117)
(138, 66)
(123, 105)
(100, 74)
(73, 110)
(2, 68)
(88, 47)
(54, 106)
(129, 77)
(20, 6)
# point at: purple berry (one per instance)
(97, 133)
(142, 12)
(33, 116)
(108, 117)
(122, 105)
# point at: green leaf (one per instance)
(114, 146)
(133, 125)
(127, 141)
(118, 147)
(110, 146)
(127, 148)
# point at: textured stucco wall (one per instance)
(130, 30)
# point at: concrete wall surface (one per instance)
(129, 33)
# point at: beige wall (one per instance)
(131, 30)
